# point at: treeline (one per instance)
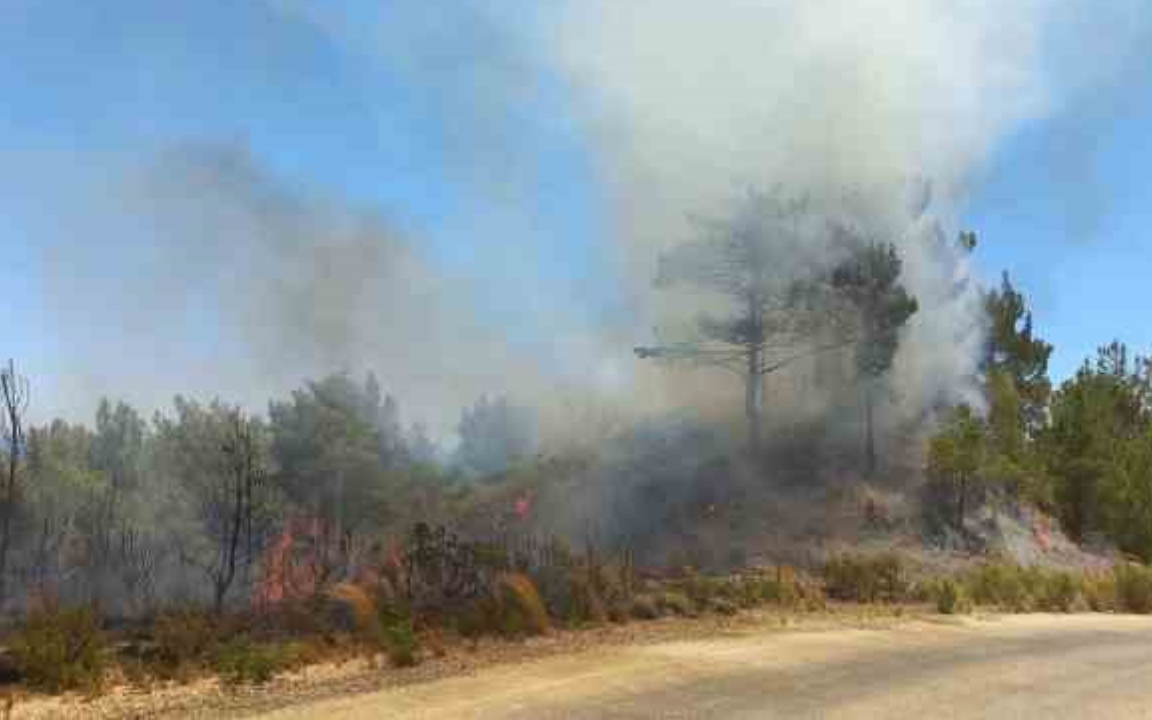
(1081, 451)
(192, 504)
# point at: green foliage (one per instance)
(184, 639)
(335, 442)
(1026, 589)
(243, 662)
(400, 643)
(1016, 353)
(1134, 588)
(58, 649)
(999, 585)
(676, 603)
(1099, 450)
(868, 579)
(950, 597)
(956, 455)
(1100, 591)
(494, 435)
(870, 280)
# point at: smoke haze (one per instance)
(241, 283)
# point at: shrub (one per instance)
(60, 649)
(1058, 592)
(520, 607)
(242, 662)
(1134, 588)
(950, 597)
(476, 619)
(676, 603)
(1000, 585)
(361, 612)
(869, 579)
(400, 644)
(1100, 592)
(183, 638)
(580, 600)
(645, 607)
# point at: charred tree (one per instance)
(244, 477)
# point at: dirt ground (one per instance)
(1037, 666)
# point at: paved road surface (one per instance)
(1038, 666)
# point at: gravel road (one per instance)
(1033, 666)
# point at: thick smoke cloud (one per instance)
(241, 285)
(826, 98)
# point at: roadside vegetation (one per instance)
(209, 540)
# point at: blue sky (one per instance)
(92, 87)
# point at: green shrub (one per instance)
(950, 597)
(1059, 592)
(1100, 591)
(242, 662)
(476, 619)
(1000, 585)
(59, 649)
(868, 579)
(401, 644)
(184, 638)
(676, 603)
(1134, 588)
(781, 588)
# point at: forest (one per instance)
(211, 510)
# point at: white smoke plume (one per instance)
(824, 97)
(681, 102)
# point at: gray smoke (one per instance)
(242, 284)
(825, 98)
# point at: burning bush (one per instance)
(521, 609)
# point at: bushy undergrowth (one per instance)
(184, 639)
(866, 578)
(58, 649)
(1133, 588)
(1013, 588)
(950, 597)
(520, 607)
(241, 661)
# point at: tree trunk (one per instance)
(961, 502)
(6, 519)
(754, 382)
(869, 432)
(754, 399)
